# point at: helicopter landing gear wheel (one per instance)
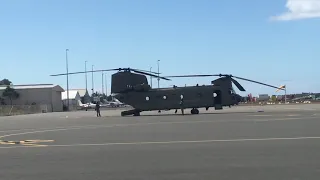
(137, 113)
(133, 112)
(194, 111)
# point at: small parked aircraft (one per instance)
(86, 106)
(116, 103)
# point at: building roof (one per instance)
(82, 92)
(34, 86)
(72, 94)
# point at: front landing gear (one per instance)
(194, 111)
(134, 112)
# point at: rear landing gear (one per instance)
(194, 111)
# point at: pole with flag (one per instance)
(283, 87)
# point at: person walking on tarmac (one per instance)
(98, 109)
(182, 106)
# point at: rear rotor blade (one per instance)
(256, 82)
(194, 75)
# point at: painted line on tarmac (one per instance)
(63, 127)
(286, 115)
(145, 124)
(173, 142)
(26, 142)
(58, 127)
(294, 115)
(14, 130)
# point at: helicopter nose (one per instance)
(238, 98)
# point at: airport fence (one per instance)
(8, 110)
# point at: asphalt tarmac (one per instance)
(260, 142)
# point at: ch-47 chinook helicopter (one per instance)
(130, 86)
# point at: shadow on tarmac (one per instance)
(189, 114)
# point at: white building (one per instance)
(45, 95)
(263, 97)
(74, 98)
(84, 95)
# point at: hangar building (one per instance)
(46, 95)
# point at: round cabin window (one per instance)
(147, 98)
(164, 97)
(214, 94)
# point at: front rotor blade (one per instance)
(238, 84)
(81, 72)
(257, 82)
(145, 73)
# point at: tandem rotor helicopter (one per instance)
(130, 86)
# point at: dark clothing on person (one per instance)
(181, 106)
(98, 110)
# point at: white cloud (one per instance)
(300, 9)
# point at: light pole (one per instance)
(158, 74)
(106, 83)
(285, 94)
(67, 77)
(85, 68)
(150, 78)
(102, 83)
(92, 81)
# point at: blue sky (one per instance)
(252, 39)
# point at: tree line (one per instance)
(9, 93)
